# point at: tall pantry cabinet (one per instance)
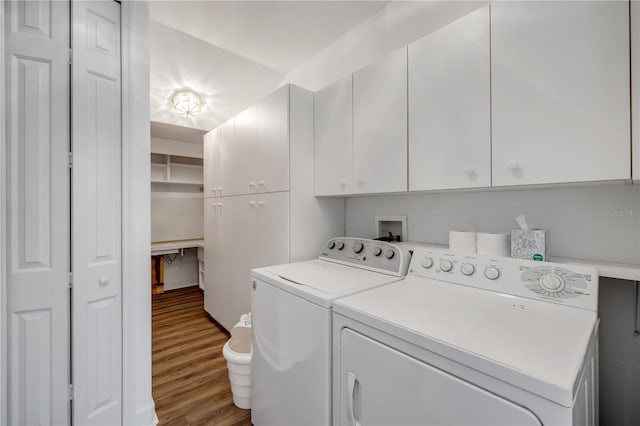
(259, 204)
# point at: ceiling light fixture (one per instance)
(186, 103)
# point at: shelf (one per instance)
(178, 182)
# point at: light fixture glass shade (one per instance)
(186, 103)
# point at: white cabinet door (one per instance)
(560, 91)
(270, 156)
(333, 149)
(96, 213)
(36, 41)
(449, 106)
(380, 125)
(226, 151)
(409, 392)
(243, 155)
(217, 273)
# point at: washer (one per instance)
(469, 340)
(292, 314)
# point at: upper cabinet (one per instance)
(560, 92)
(256, 143)
(450, 106)
(380, 125)
(334, 139)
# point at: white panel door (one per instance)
(37, 135)
(408, 392)
(96, 213)
(270, 158)
(560, 91)
(226, 141)
(380, 125)
(333, 142)
(242, 154)
(450, 106)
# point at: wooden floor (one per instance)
(190, 379)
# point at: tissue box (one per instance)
(528, 244)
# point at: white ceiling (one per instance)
(234, 53)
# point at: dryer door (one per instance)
(382, 386)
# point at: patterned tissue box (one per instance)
(528, 244)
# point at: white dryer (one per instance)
(469, 340)
(292, 314)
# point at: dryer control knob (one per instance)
(340, 245)
(389, 253)
(446, 265)
(492, 273)
(377, 251)
(467, 269)
(427, 262)
(357, 247)
(331, 245)
(553, 283)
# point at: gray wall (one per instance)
(582, 222)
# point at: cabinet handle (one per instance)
(261, 203)
(343, 182)
(352, 383)
(103, 281)
(252, 185)
(360, 181)
(513, 166)
(252, 203)
(260, 183)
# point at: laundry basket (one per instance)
(237, 351)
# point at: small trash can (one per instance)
(237, 351)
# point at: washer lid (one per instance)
(531, 344)
(321, 281)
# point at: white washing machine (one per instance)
(469, 340)
(291, 307)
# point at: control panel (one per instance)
(379, 256)
(572, 285)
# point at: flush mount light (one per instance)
(186, 103)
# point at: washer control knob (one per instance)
(389, 253)
(467, 269)
(492, 273)
(427, 262)
(446, 266)
(551, 282)
(377, 251)
(340, 245)
(357, 247)
(331, 245)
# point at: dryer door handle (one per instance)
(352, 385)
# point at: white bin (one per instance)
(237, 351)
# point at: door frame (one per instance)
(138, 405)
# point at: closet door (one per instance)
(37, 244)
(96, 213)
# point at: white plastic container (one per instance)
(237, 351)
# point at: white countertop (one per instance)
(175, 246)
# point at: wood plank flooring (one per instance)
(190, 379)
